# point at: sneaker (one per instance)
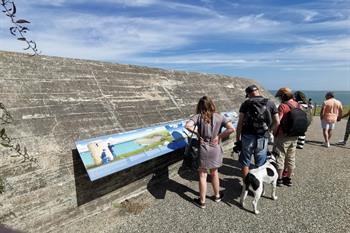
(341, 143)
(287, 181)
(326, 144)
(218, 199)
(198, 203)
(279, 182)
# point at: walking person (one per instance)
(331, 112)
(207, 124)
(306, 106)
(285, 141)
(347, 130)
(257, 117)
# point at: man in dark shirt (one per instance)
(254, 140)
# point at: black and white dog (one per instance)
(267, 173)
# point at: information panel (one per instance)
(108, 154)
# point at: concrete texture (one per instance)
(56, 101)
(318, 202)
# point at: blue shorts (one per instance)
(327, 125)
(253, 145)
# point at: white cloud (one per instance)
(46, 2)
(309, 15)
(130, 38)
(60, 3)
(332, 54)
(133, 2)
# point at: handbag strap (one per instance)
(193, 131)
(197, 124)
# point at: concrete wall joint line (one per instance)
(109, 105)
(172, 99)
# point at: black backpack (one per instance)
(309, 114)
(258, 116)
(295, 122)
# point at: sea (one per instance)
(318, 96)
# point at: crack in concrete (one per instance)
(172, 98)
(108, 106)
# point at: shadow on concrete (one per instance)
(188, 174)
(4, 229)
(341, 146)
(230, 167)
(314, 143)
(160, 184)
(320, 143)
(231, 190)
(87, 190)
(232, 185)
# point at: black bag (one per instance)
(191, 154)
(295, 122)
(309, 114)
(258, 116)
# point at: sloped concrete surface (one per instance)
(56, 101)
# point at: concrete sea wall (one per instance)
(54, 102)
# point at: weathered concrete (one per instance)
(56, 101)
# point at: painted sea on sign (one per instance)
(105, 155)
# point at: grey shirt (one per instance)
(210, 155)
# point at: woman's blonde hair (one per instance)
(206, 108)
(284, 94)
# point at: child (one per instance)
(347, 130)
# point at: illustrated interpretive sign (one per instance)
(105, 155)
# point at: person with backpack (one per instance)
(207, 125)
(293, 123)
(331, 112)
(307, 108)
(257, 117)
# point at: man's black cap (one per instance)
(329, 94)
(250, 89)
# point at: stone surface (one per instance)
(57, 101)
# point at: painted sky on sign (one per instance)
(124, 136)
(303, 44)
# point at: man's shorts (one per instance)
(327, 125)
(253, 145)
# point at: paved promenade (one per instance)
(319, 200)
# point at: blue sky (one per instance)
(301, 44)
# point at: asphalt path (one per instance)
(318, 201)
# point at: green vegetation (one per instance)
(11, 146)
(19, 28)
(165, 137)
